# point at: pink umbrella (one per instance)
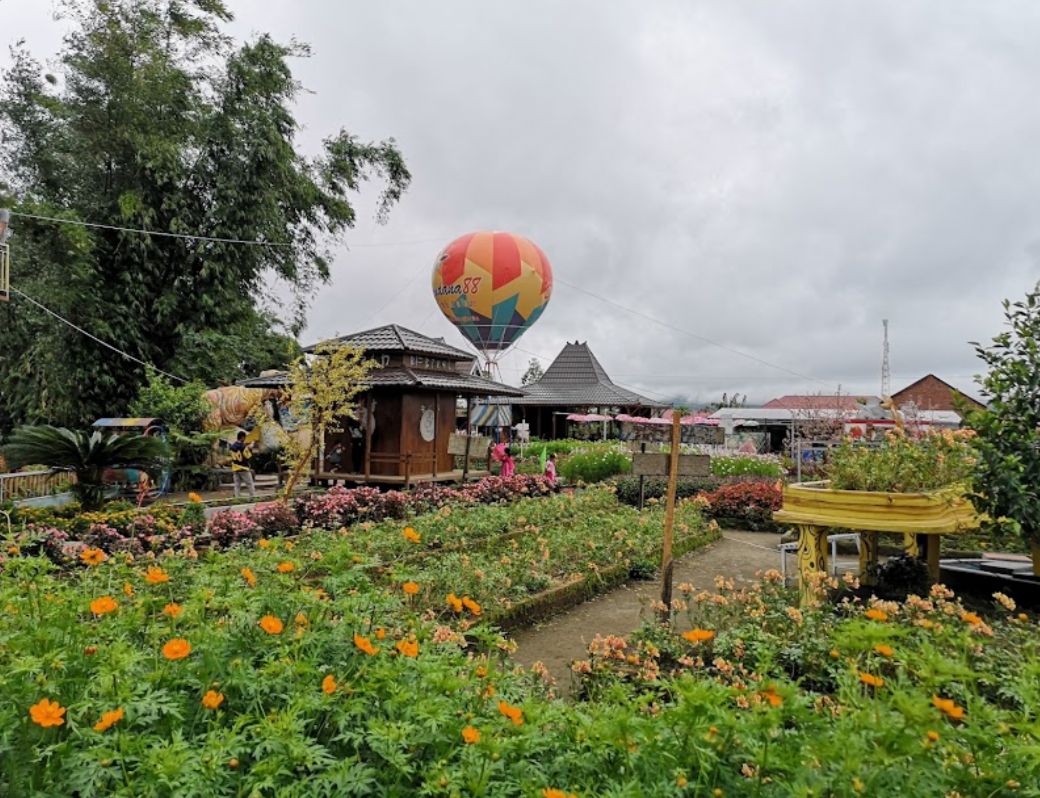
(597, 417)
(577, 417)
(664, 422)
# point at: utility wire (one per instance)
(92, 337)
(672, 327)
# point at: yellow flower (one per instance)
(93, 556)
(103, 605)
(286, 567)
(681, 781)
(933, 736)
(365, 645)
(698, 635)
(194, 497)
(155, 575)
(454, 602)
(177, 648)
(411, 535)
(109, 719)
(871, 680)
(263, 543)
(271, 625)
(471, 735)
(857, 785)
(408, 648)
(948, 707)
(411, 588)
(47, 713)
(172, 609)
(212, 699)
(249, 576)
(328, 685)
(128, 589)
(971, 618)
(515, 714)
(471, 605)
(883, 650)
(835, 653)
(876, 615)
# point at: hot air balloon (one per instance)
(492, 286)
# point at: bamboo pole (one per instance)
(669, 518)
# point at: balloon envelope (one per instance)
(492, 286)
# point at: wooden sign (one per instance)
(477, 447)
(656, 465)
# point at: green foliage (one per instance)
(657, 488)
(87, 454)
(746, 465)
(1008, 432)
(158, 120)
(902, 464)
(182, 407)
(595, 466)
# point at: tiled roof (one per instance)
(576, 379)
(397, 376)
(395, 338)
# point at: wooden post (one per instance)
(436, 412)
(469, 438)
(642, 480)
(407, 469)
(369, 419)
(669, 520)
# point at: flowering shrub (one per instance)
(228, 527)
(903, 464)
(745, 465)
(749, 505)
(595, 466)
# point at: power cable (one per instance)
(93, 337)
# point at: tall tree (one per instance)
(533, 373)
(158, 120)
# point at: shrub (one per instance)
(228, 527)
(275, 518)
(903, 464)
(746, 465)
(595, 466)
(748, 504)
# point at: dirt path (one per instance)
(563, 639)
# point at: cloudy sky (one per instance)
(752, 186)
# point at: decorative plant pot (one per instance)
(921, 517)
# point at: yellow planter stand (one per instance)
(813, 507)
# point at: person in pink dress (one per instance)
(550, 469)
(508, 463)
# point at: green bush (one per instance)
(746, 466)
(595, 466)
(657, 488)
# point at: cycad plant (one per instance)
(87, 454)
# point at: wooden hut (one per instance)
(407, 430)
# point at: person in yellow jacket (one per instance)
(241, 473)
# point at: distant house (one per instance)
(575, 382)
(931, 393)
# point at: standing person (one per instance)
(357, 448)
(241, 473)
(550, 469)
(508, 463)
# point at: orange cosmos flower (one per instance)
(515, 714)
(328, 685)
(249, 576)
(408, 648)
(178, 648)
(770, 695)
(883, 650)
(454, 602)
(286, 567)
(365, 645)
(933, 736)
(212, 699)
(155, 575)
(263, 543)
(471, 735)
(411, 588)
(471, 605)
(109, 719)
(698, 635)
(971, 618)
(876, 615)
(411, 535)
(172, 609)
(871, 680)
(550, 792)
(128, 589)
(380, 633)
(47, 713)
(194, 497)
(93, 556)
(271, 625)
(948, 707)
(103, 605)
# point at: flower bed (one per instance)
(743, 502)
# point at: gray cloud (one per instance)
(777, 177)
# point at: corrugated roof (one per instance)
(818, 402)
(577, 379)
(398, 376)
(395, 338)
